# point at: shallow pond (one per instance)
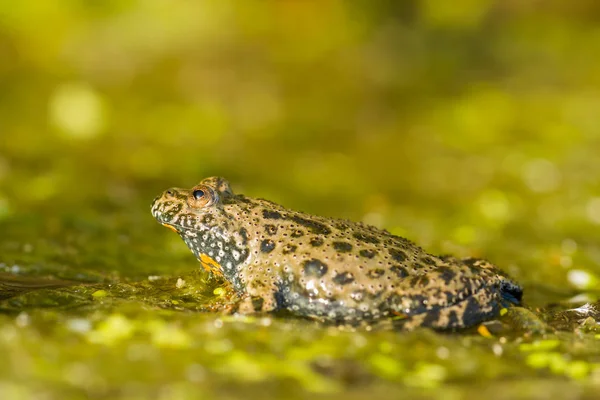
(470, 130)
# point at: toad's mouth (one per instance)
(171, 227)
(181, 229)
(167, 215)
(168, 222)
(188, 230)
(171, 216)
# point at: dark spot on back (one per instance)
(270, 229)
(399, 271)
(470, 261)
(289, 248)
(368, 253)
(419, 281)
(267, 246)
(473, 264)
(398, 255)
(314, 226)
(342, 247)
(314, 267)
(244, 235)
(316, 242)
(243, 199)
(297, 233)
(429, 261)
(344, 278)
(446, 273)
(375, 273)
(207, 219)
(341, 226)
(365, 238)
(270, 214)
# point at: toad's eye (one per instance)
(198, 194)
(201, 197)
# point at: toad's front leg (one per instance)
(260, 297)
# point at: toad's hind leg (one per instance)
(451, 298)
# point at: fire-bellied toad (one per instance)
(328, 269)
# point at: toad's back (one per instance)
(326, 268)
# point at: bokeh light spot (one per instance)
(582, 279)
(77, 110)
(541, 175)
(495, 206)
(593, 210)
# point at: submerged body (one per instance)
(328, 269)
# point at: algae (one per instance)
(471, 128)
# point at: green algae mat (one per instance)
(470, 129)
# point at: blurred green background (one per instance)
(470, 127)
(471, 124)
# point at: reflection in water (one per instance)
(15, 285)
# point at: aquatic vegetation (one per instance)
(470, 129)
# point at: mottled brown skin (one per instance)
(328, 269)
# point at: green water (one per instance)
(471, 130)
